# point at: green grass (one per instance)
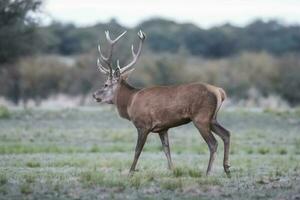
(263, 150)
(33, 164)
(3, 179)
(26, 189)
(86, 154)
(171, 184)
(4, 112)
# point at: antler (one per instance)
(108, 59)
(135, 56)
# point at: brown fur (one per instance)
(157, 109)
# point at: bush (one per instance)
(33, 164)
(41, 77)
(4, 112)
(289, 81)
(3, 179)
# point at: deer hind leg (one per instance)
(225, 136)
(166, 147)
(142, 137)
(204, 129)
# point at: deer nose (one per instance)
(96, 98)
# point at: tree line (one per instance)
(168, 36)
(39, 61)
(20, 34)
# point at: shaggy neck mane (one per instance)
(123, 98)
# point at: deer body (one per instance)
(157, 109)
(160, 108)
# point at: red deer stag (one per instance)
(157, 109)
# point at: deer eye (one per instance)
(105, 85)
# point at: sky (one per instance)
(202, 13)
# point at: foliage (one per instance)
(18, 37)
(257, 60)
(18, 33)
(40, 77)
(289, 81)
(67, 39)
(164, 69)
(82, 78)
(242, 73)
(244, 76)
(169, 36)
(4, 112)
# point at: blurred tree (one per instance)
(163, 43)
(83, 77)
(270, 36)
(18, 37)
(67, 39)
(169, 36)
(165, 69)
(238, 58)
(289, 79)
(239, 74)
(215, 42)
(41, 77)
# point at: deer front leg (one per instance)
(142, 136)
(166, 147)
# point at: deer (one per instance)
(157, 109)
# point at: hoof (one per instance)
(131, 172)
(228, 174)
(227, 171)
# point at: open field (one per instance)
(86, 153)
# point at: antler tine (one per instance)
(118, 64)
(132, 50)
(99, 50)
(107, 59)
(136, 55)
(112, 42)
(101, 68)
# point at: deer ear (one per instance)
(117, 73)
(126, 74)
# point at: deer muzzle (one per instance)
(96, 98)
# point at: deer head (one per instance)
(107, 92)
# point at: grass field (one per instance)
(86, 153)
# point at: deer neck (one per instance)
(123, 97)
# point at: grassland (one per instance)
(86, 154)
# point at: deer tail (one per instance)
(221, 96)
